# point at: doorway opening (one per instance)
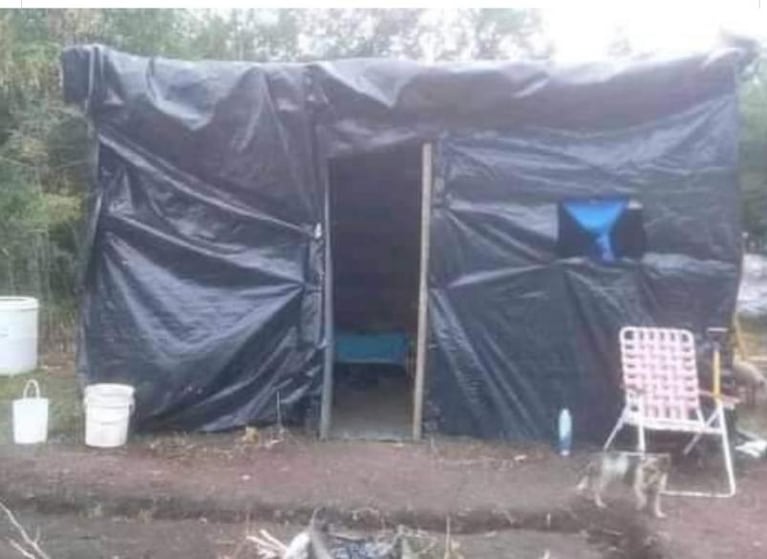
(375, 216)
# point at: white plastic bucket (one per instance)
(108, 408)
(18, 335)
(30, 416)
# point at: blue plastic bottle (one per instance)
(565, 432)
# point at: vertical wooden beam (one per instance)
(326, 410)
(423, 291)
(740, 345)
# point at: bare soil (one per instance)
(482, 488)
(72, 537)
(194, 496)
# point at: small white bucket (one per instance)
(108, 408)
(30, 416)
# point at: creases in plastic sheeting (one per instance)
(692, 293)
(178, 208)
(194, 346)
(204, 283)
(239, 126)
(204, 286)
(540, 331)
(373, 103)
(489, 236)
(503, 362)
(602, 299)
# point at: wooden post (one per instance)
(423, 291)
(717, 372)
(740, 345)
(326, 410)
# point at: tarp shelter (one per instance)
(562, 204)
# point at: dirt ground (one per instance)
(195, 496)
(68, 537)
(147, 501)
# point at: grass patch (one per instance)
(754, 335)
(58, 384)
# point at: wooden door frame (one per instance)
(423, 290)
(326, 406)
(326, 409)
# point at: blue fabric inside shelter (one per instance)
(598, 217)
(385, 348)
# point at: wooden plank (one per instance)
(326, 410)
(423, 291)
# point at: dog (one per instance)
(647, 474)
(749, 377)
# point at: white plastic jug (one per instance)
(565, 432)
(30, 416)
(108, 408)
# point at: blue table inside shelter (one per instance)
(390, 348)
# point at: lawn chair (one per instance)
(660, 379)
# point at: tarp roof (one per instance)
(364, 103)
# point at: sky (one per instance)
(580, 29)
(583, 30)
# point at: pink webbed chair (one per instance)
(660, 379)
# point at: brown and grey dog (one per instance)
(647, 475)
(749, 377)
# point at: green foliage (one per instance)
(352, 33)
(43, 143)
(41, 169)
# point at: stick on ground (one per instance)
(29, 547)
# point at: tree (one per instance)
(336, 33)
(41, 169)
(43, 143)
(43, 172)
(506, 32)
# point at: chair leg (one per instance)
(694, 440)
(691, 444)
(614, 432)
(641, 438)
(727, 453)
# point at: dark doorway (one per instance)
(375, 209)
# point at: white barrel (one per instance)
(18, 335)
(30, 416)
(108, 408)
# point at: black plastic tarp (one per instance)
(205, 276)
(522, 331)
(203, 286)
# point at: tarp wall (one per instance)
(519, 330)
(203, 284)
(204, 277)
